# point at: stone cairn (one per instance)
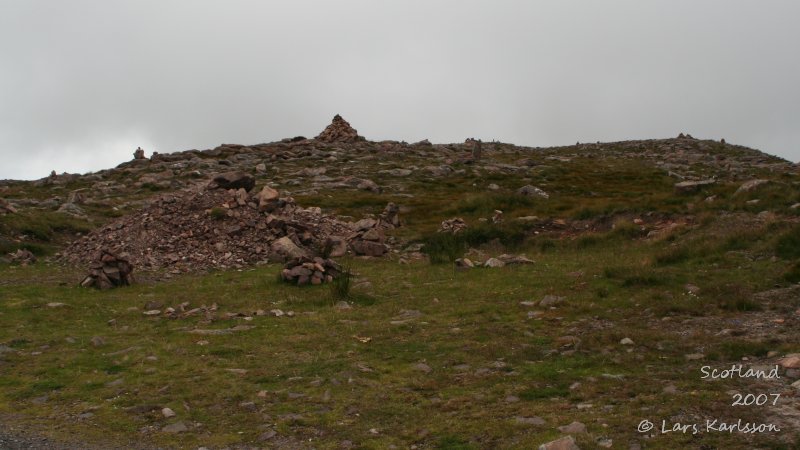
(339, 131)
(109, 271)
(368, 237)
(476, 150)
(23, 257)
(390, 215)
(454, 225)
(304, 270)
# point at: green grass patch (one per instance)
(788, 245)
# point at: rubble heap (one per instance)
(204, 228)
(306, 270)
(109, 270)
(339, 131)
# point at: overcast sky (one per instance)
(83, 83)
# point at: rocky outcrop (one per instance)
(108, 271)
(339, 131)
(138, 154)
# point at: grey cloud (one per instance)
(83, 83)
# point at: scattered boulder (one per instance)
(464, 263)
(422, 367)
(335, 246)
(494, 262)
(535, 420)
(304, 270)
(687, 187)
(564, 443)
(6, 207)
(267, 197)
(791, 361)
(573, 428)
(532, 191)
(368, 248)
(751, 185)
(339, 131)
(515, 259)
(364, 224)
(286, 248)
(72, 209)
(76, 197)
(368, 185)
(174, 428)
(109, 271)
(439, 171)
(551, 300)
(396, 172)
(233, 180)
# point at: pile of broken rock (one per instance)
(223, 225)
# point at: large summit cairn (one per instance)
(339, 131)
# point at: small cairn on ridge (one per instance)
(109, 271)
(305, 270)
(339, 131)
